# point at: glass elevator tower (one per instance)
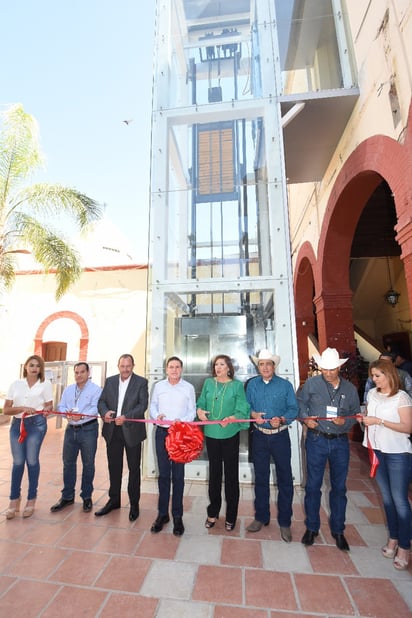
(227, 74)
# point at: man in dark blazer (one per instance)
(124, 396)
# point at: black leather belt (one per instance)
(328, 436)
(94, 420)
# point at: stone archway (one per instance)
(304, 291)
(377, 158)
(84, 332)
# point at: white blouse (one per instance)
(384, 407)
(21, 394)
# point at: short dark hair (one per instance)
(82, 363)
(174, 358)
(228, 362)
(126, 356)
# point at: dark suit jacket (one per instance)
(134, 406)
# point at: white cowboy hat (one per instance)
(329, 359)
(266, 355)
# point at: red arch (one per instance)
(304, 292)
(84, 331)
(378, 157)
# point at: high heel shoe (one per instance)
(389, 552)
(229, 527)
(29, 508)
(210, 522)
(400, 565)
(14, 508)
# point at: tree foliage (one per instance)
(26, 210)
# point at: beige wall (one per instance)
(382, 49)
(112, 302)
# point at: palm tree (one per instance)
(25, 209)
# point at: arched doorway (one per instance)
(374, 180)
(75, 317)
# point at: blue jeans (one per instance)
(275, 446)
(81, 439)
(392, 476)
(169, 472)
(26, 453)
(319, 452)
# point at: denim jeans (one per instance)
(275, 446)
(169, 472)
(81, 439)
(392, 476)
(319, 452)
(26, 453)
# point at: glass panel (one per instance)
(308, 47)
(217, 227)
(216, 51)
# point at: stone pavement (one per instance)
(74, 564)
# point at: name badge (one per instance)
(331, 411)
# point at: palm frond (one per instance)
(51, 252)
(7, 270)
(56, 199)
(19, 148)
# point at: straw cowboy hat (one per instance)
(266, 355)
(329, 359)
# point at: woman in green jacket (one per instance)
(223, 399)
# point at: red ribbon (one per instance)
(373, 458)
(23, 432)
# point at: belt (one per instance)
(269, 432)
(162, 427)
(94, 420)
(328, 436)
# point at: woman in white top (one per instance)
(27, 398)
(389, 423)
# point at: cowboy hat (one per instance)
(329, 359)
(266, 355)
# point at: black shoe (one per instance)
(159, 522)
(341, 542)
(178, 527)
(134, 513)
(87, 505)
(109, 506)
(309, 537)
(61, 504)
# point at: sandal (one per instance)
(229, 527)
(400, 564)
(389, 552)
(210, 522)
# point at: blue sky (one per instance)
(81, 67)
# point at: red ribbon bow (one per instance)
(184, 442)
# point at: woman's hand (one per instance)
(29, 411)
(371, 420)
(227, 420)
(202, 414)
